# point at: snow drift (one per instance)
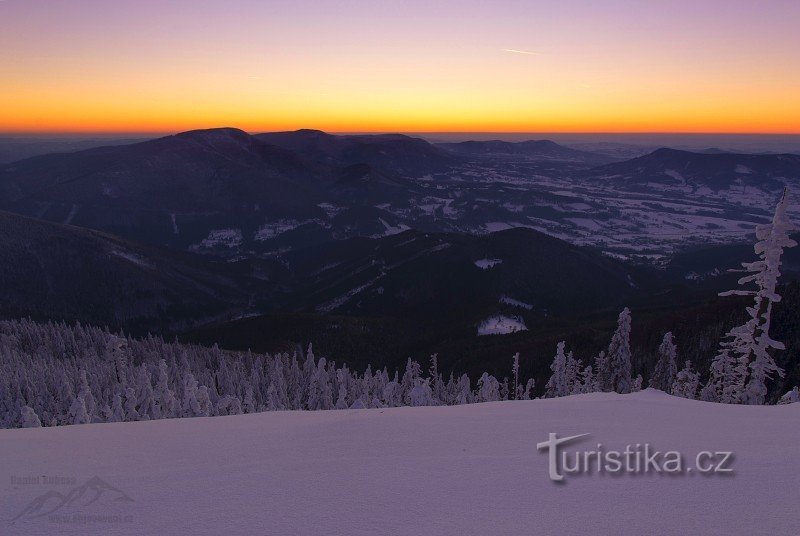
(433, 470)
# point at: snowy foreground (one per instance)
(470, 469)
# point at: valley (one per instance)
(379, 247)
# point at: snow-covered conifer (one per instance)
(588, 380)
(515, 372)
(529, 386)
(421, 394)
(603, 378)
(619, 354)
(29, 418)
(77, 411)
(488, 389)
(686, 382)
(166, 406)
(131, 413)
(637, 383)
(557, 384)
(751, 342)
(665, 370)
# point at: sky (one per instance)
(411, 66)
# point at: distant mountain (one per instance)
(716, 171)
(13, 149)
(169, 191)
(217, 190)
(393, 153)
(533, 149)
(53, 271)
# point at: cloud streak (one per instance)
(515, 51)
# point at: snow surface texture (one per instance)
(457, 470)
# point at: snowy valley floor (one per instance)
(446, 470)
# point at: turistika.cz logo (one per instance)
(640, 458)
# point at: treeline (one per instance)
(54, 374)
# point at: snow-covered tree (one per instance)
(727, 376)
(341, 397)
(515, 372)
(488, 389)
(751, 343)
(529, 387)
(603, 380)
(436, 382)
(792, 397)
(117, 410)
(165, 402)
(29, 418)
(421, 394)
(557, 384)
(573, 375)
(637, 383)
(665, 370)
(131, 412)
(619, 355)
(686, 382)
(588, 380)
(77, 411)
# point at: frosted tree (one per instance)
(77, 411)
(165, 403)
(85, 393)
(557, 384)
(603, 378)
(619, 354)
(204, 402)
(29, 418)
(249, 403)
(191, 406)
(391, 393)
(751, 342)
(463, 390)
(488, 389)
(228, 405)
(421, 394)
(529, 386)
(341, 398)
(117, 411)
(412, 373)
(792, 397)
(573, 375)
(515, 372)
(665, 370)
(588, 380)
(727, 375)
(320, 394)
(637, 383)
(131, 413)
(436, 382)
(686, 382)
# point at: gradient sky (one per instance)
(387, 65)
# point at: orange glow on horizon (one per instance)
(610, 66)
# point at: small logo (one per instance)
(55, 502)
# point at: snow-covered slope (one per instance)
(435, 470)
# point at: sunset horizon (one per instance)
(614, 66)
